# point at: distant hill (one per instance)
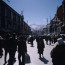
(37, 27)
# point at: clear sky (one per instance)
(36, 11)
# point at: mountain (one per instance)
(37, 27)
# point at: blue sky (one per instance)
(36, 11)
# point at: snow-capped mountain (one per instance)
(37, 27)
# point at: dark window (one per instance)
(18, 19)
(14, 17)
(2, 15)
(8, 13)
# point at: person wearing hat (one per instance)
(58, 53)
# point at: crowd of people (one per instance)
(14, 43)
(11, 44)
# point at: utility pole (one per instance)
(47, 26)
(27, 27)
(22, 21)
(50, 25)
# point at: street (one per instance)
(32, 19)
(34, 57)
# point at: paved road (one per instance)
(34, 57)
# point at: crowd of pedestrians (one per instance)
(14, 43)
(11, 44)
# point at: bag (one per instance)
(27, 58)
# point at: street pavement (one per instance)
(34, 56)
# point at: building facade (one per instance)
(58, 22)
(10, 20)
(55, 25)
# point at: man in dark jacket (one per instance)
(58, 53)
(22, 50)
(6, 47)
(13, 48)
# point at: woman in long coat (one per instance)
(40, 46)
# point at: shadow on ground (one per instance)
(44, 60)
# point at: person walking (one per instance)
(58, 53)
(46, 39)
(40, 46)
(49, 38)
(1, 43)
(6, 47)
(22, 50)
(31, 40)
(13, 48)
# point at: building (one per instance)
(58, 22)
(10, 20)
(27, 29)
(55, 25)
(63, 7)
(46, 29)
